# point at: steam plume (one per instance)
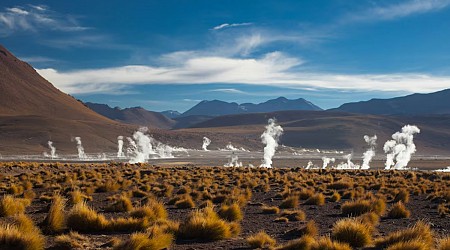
(233, 161)
(143, 147)
(120, 146)
(270, 137)
(326, 161)
(52, 151)
(349, 164)
(81, 154)
(370, 153)
(206, 142)
(310, 165)
(400, 148)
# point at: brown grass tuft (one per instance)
(421, 231)
(398, 210)
(353, 232)
(261, 240)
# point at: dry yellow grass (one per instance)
(261, 240)
(55, 220)
(352, 232)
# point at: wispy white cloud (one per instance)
(273, 69)
(36, 18)
(227, 25)
(229, 91)
(38, 59)
(396, 10)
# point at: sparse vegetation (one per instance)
(398, 210)
(145, 202)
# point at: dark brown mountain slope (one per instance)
(136, 115)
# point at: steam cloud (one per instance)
(400, 148)
(142, 146)
(206, 142)
(370, 153)
(270, 138)
(349, 164)
(81, 154)
(52, 151)
(233, 161)
(120, 146)
(327, 161)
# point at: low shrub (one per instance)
(317, 199)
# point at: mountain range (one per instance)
(415, 104)
(33, 111)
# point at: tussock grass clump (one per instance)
(82, 218)
(153, 210)
(126, 224)
(281, 219)
(372, 219)
(353, 232)
(77, 196)
(402, 195)
(409, 245)
(185, 202)
(123, 204)
(10, 206)
(23, 235)
(294, 215)
(206, 225)
(270, 210)
(231, 212)
(152, 241)
(305, 243)
(335, 197)
(359, 207)
(261, 240)
(398, 210)
(444, 244)
(289, 202)
(55, 221)
(421, 231)
(325, 243)
(72, 240)
(309, 229)
(317, 199)
(356, 208)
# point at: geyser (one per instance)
(233, 161)
(120, 147)
(270, 138)
(370, 153)
(400, 148)
(206, 142)
(327, 161)
(81, 154)
(52, 151)
(142, 147)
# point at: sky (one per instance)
(170, 54)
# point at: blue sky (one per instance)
(171, 54)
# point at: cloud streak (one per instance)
(396, 11)
(227, 25)
(35, 18)
(272, 69)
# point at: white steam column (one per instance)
(120, 147)
(327, 161)
(270, 138)
(206, 142)
(81, 154)
(370, 153)
(400, 148)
